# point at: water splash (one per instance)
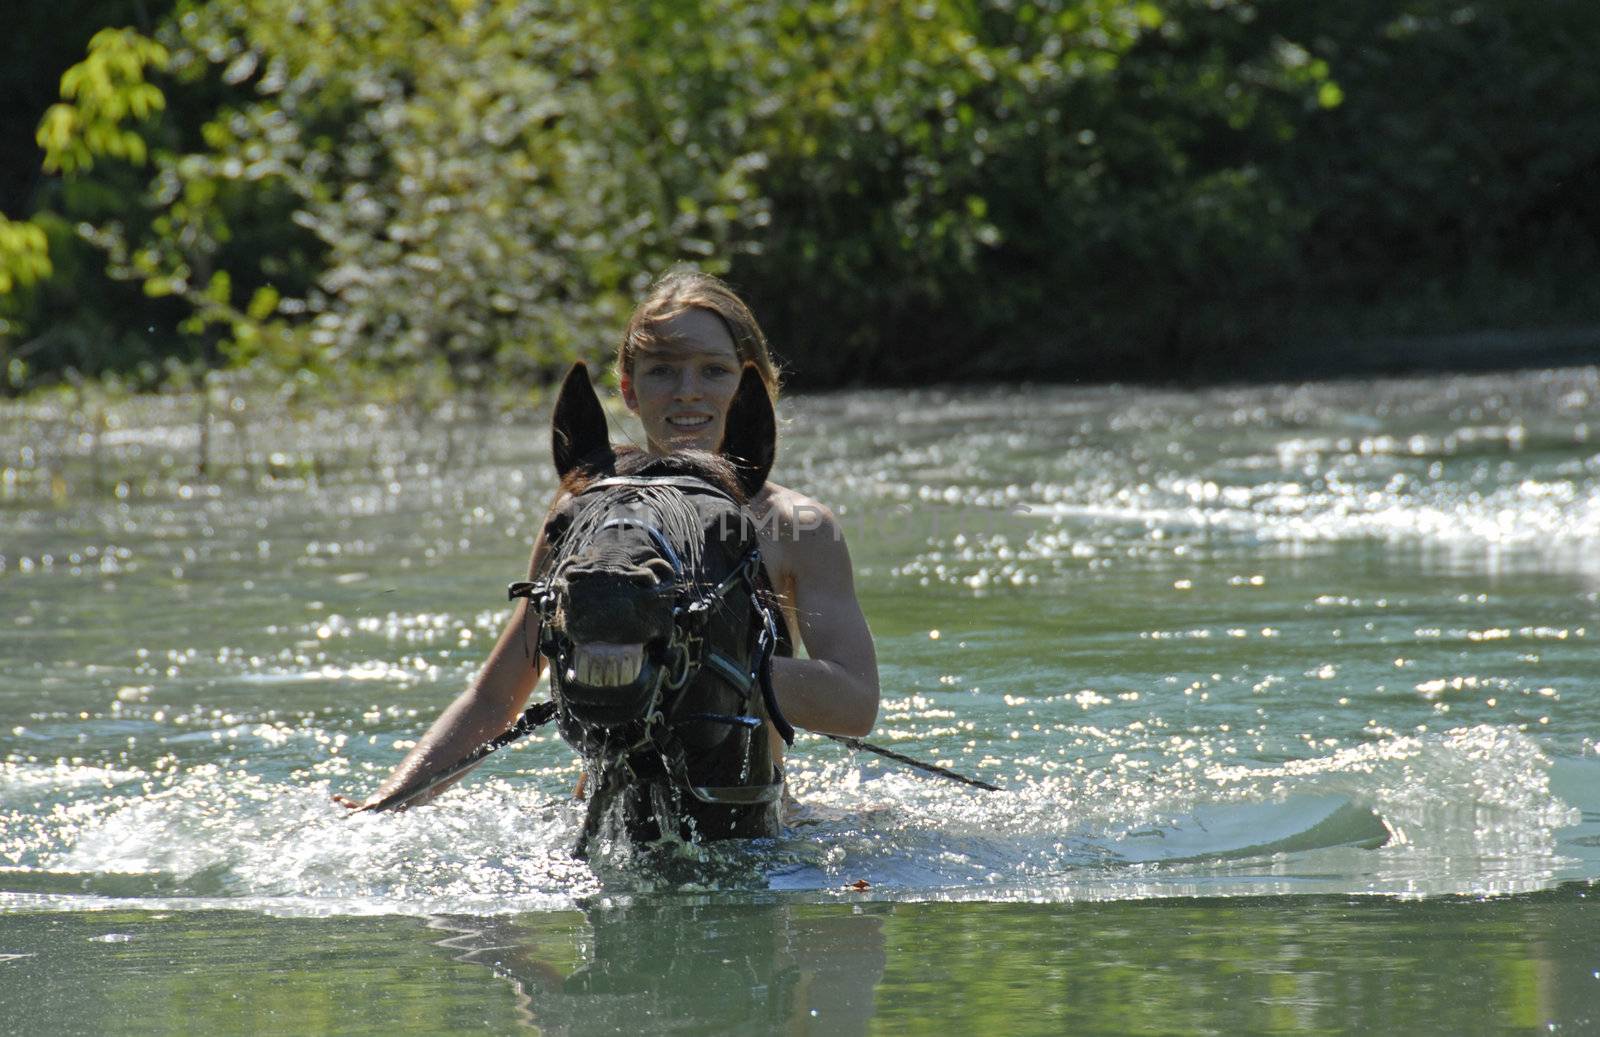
(1439, 806)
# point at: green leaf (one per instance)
(220, 288)
(1150, 16)
(262, 303)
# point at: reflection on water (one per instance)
(725, 967)
(1520, 964)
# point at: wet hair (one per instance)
(684, 288)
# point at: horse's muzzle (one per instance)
(618, 625)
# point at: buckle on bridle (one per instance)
(683, 659)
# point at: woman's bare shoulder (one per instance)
(788, 516)
(803, 542)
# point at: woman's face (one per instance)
(682, 384)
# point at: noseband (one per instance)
(688, 653)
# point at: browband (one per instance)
(686, 483)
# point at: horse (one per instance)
(658, 625)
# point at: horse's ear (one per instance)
(578, 430)
(750, 435)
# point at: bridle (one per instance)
(687, 655)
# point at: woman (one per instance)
(679, 365)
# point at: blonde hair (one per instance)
(682, 289)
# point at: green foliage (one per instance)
(476, 190)
(24, 262)
(1469, 138)
(1098, 164)
(24, 255)
(102, 93)
(463, 188)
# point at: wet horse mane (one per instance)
(630, 460)
(675, 516)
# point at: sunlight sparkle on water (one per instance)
(1183, 630)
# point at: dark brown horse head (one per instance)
(636, 540)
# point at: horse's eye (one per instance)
(556, 527)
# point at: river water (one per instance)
(1290, 689)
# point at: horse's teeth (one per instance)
(607, 665)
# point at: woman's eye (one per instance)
(718, 370)
(659, 370)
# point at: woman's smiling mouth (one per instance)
(689, 421)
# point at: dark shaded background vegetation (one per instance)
(469, 193)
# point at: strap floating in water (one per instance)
(931, 768)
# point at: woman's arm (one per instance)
(836, 689)
(486, 709)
